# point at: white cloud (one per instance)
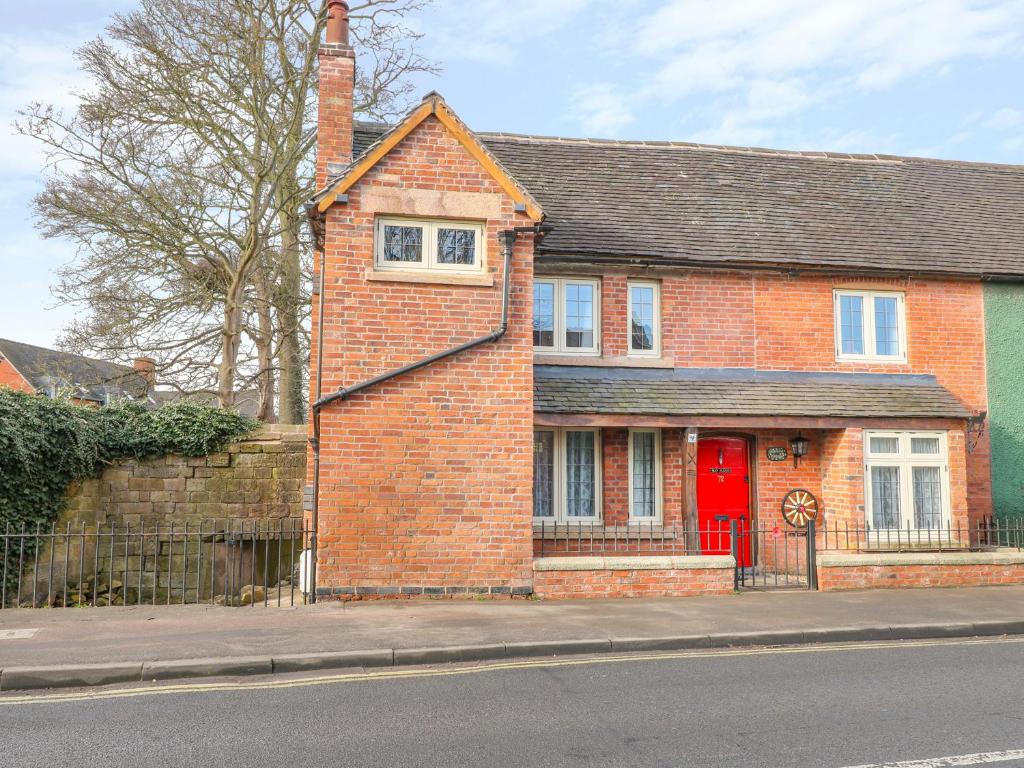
(601, 110)
(1006, 119)
(759, 62)
(39, 69)
(492, 30)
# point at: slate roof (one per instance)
(739, 392)
(662, 203)
(90, 379)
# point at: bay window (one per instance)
(566, 475)
(907, 480)
(566, 315)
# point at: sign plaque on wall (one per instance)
(777, 453)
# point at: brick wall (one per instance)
(901, 571)
(426, 480)
(9, 377)
(259, 477)
(655, 578)
(768, 321)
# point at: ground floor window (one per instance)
(645, 474)
(907, 480)
(566, 475)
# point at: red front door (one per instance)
(723, 494)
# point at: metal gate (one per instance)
(773, 557)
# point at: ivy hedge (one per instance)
(47, 444)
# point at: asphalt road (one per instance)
(820, 706)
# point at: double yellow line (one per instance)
(475, 669)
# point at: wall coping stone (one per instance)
(855, 559)
(626, 563)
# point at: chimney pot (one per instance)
(337, 22)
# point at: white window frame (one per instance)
(906, 461)
(429, 262)
(658, 477)
(560, 486)
(559, 347)
(655, 351)
(868, 330)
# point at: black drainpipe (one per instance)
(508, 238)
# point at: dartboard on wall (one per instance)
(799, 506)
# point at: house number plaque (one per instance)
(777, 454)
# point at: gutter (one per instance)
(508, 238)
(586, 261)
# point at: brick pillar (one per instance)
(337, 83)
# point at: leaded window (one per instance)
(427, 244)
(404, 244)
(456, 246)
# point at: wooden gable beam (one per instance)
(482, 156)
(433, 106)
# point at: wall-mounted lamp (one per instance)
(798, 446)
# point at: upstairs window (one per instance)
(448, 246)
(644, 319)
(566, 315)
(870, 325)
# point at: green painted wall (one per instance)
(1004, 338)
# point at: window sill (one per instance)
(872, 360)
(557, 358)
(433, 278)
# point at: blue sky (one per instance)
(940, 78)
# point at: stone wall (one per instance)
(259, 477)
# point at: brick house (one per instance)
(515, 336)
(29, 368)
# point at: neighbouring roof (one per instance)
(740, 392)
(88, 379)
(664, 203)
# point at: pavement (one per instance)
(41, 648)
(915, 704)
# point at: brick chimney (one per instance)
(146, 368)
(337, 82)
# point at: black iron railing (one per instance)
(552, 539)
(977, 535)
(768, 556)
(215, 561)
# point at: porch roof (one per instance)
(740, 392)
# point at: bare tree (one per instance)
(181, 177)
